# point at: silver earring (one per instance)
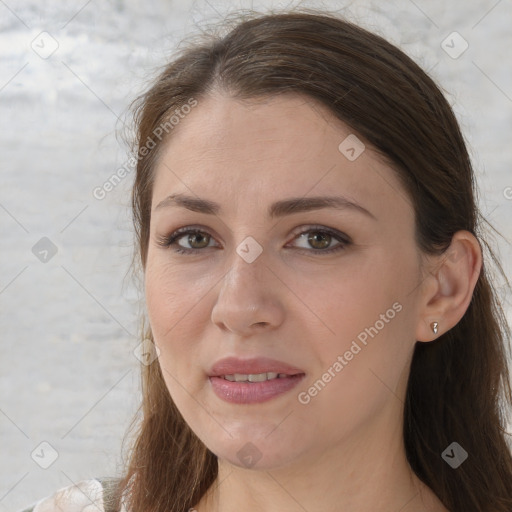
(433, 326)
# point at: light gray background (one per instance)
(68, 326)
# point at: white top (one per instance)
(85, 496)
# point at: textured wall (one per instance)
(68, 372)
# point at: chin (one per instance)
(256, 452)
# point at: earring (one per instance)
(433, 326)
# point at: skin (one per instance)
(344, 449)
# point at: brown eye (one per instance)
(187, 241)
(319, 239)
(196, 240)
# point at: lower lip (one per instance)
(253, 392)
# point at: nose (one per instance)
(249, 298)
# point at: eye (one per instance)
(186, 240)
(321, 240)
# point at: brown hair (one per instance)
(459, 387)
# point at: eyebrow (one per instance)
(277, 209)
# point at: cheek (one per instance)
(177, 309)
(167, 305)
(370, 319)
(161, 302)
(361, 373)
(169, 293)
(166, 308)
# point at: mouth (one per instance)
(252, 380)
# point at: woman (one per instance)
(326, 332)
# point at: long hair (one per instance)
(459, 387)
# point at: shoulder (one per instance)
(87, 494)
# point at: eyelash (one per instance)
(169, 240)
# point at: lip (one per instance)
(252, 392)
(231, 365)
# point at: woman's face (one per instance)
(272, 270)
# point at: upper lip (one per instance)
(232, 365)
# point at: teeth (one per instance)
(253, 377)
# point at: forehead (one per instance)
(289, 127)
(266, 149)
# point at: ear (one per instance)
(447, 290)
